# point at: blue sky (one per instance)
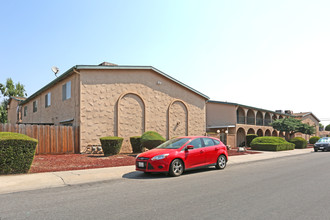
(267, 54)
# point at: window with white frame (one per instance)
(47, 100)
(66, 91)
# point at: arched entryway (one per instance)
(251, 119)
(260, 133)
(240, 137)
(274, 133)
(267, 119)
(251, 131)
(259, 119)
(240, 116)
(177, 119)
(268, 133)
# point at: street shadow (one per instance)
(142, 175)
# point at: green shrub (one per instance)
(327, 128)
(314, 139)
(249, 139)
(136, 144)
(151, 139)
(16, 152)
(299, 142)
(111, 145)
(271, 144)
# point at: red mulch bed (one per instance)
(52, 163)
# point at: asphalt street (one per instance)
(294, 187)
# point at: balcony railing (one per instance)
(260, 121)
(240, 120)
(251, 121)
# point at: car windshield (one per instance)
(323, 140)
(174, 143)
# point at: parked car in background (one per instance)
(183, 153)
(322, 144)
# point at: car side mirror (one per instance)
(189, 147)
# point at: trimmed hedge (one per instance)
(314, 139)
(111, 145)
(136, 144)
(16, 152)
(151, 139)
(249, 139)
(299, 142)
(271, 144)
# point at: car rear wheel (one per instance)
(176, 168)
(221, 162)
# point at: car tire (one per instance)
(176, 168)
(315, 150)
(221, 162)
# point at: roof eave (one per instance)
(58, 79)
(246, 106)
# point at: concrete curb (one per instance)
(25, 182)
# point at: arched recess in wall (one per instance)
(260, 133)
(177, 119)
(274, 133)
(240, 137)
(251, 131)
(131, 115)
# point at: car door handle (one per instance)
(202, 151)
(216, 148)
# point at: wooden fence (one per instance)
(52, 139)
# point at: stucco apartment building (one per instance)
(310, 119)
(113, 100)
(234, 121)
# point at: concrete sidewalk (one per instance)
(24, 182)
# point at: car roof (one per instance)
(195, 137)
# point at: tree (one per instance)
(321, 127)
(327, 128)
(8, 90)
(292, 126)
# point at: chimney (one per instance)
(107, 64)
(289, 112)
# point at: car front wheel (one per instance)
(176, 168)
(221, 162)
(315, 150)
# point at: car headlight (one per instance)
(159, 157)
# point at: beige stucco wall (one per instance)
(220, 114)
(310, 120)
(12, 111)
(59, 110)
(143, 99)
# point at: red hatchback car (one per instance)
(179, 154)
